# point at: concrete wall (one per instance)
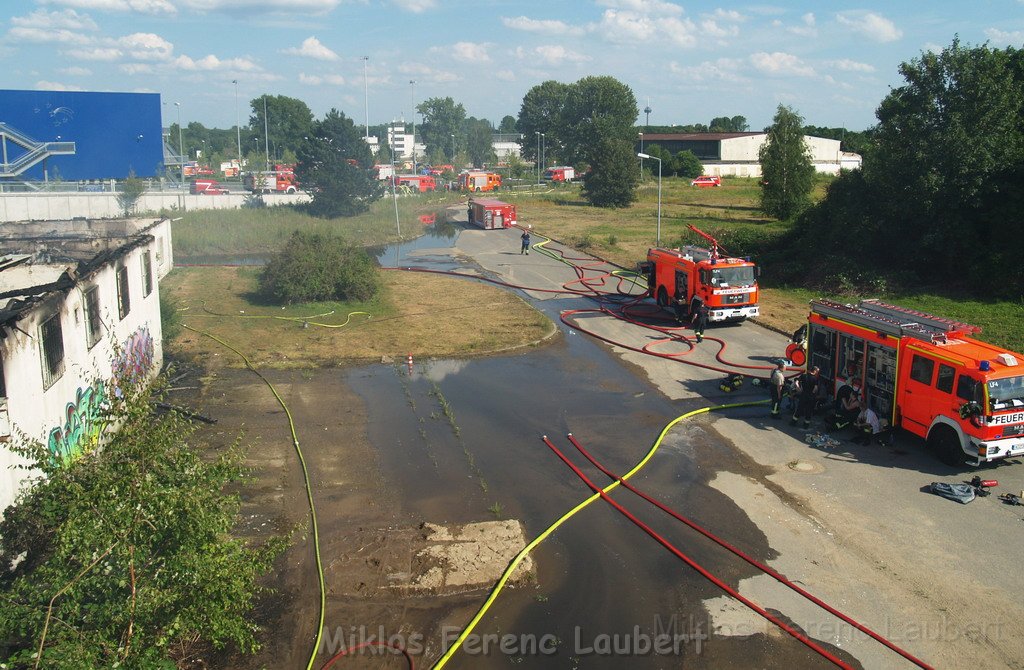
(61, 416)
(55, 206)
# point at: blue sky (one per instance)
(689, 61)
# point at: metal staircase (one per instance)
(32, 152)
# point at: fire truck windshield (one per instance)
(742, 276)
(1006, 393)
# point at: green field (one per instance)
(619, 235)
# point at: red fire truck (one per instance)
(728, 286)
(479, 181)
(417, 182)
(560, 174)
(490, 214)
(271, 182)
(925, 374)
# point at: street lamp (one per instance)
(412, 99)
(181, 152)
(641, 151)
(453, 150)
(266, 133)
(543, 150)
(366, 99)
(643, 155)
(238, 129)
(537, 157)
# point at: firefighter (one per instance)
(847, 405)
(525, 237)
(868, 426)
(699, 317)
(808, 385)
(679, 307)
(776, 381)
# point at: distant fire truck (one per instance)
(728, 286)
(277, 181)
(560, 174)
(479, 181)
(925, 374)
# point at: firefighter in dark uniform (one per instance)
(776, 382)
(699, 317)
(679, 307)
(808, 385)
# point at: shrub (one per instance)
(316, 267)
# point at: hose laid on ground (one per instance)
(814, 646)
(749, 559)
(373, 643)
(518, 558)
(309, 489)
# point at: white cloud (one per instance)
(135, 68)
(505, 75)
(312, 48)
(317, 80)
(140, 6)
(415, 6)
(723, 69)
(728, 15)
(25, 34)
(872, 26)
(147, 46)
(628, 27)
(211, 62)
(541, 26)
(1014, 37)
(779, 63)
(43, 85)
(466, 51)
(848, 65)
(711, 27)
(555, 54)
(653, 7)
(95, 53)
(68, 19)
(76, 71)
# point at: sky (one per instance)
(687, 61)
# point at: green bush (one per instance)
(314, 267)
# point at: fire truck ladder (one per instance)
(33, 151)
(893, 320)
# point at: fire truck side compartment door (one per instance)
(920, 400)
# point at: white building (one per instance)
(79, 301)
(736, 154)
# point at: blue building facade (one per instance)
(113, 133)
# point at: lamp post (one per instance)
(537, 157)
(643, 155)
(453, 150)
(641, 151)
(181, 152)
(366, 99)
(412, 99)
(543, 149)
(238, 129)
(266, 133)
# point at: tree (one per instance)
(479, 142)
(334, 166)
(129, 191)
(507, 125)
(315, 267)
(123, 558)
(540, 113)
(595, 108)
(687, 164)
(288, 123)
(613, 175)
(724, 124)
(787, 175)
(442, 118)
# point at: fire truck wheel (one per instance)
(946, 446)
(662, 297)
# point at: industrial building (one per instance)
(736, 154)
(79, 308)
(79, 135)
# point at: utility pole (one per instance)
(238, 130)
(266, 134)
(366, 99)
(412, 98)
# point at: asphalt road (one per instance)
(853, 524)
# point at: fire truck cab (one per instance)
(728, 286)
(925, 374)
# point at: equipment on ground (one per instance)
(962, 493)
(925, 374)
(728, 286)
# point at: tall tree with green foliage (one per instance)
(613, 175)
(595, 108)
(725, 124)
(334, 166)
(123, 557)
(787, 175)
(479, 142)
(442, 118)
(540, 113)
(507, 125)
(288, 123)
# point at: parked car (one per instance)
(206, 187)
(704, 181)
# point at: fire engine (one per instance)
(417, 182)
(479, 181)
(271, 182)
(728, 286)
(924, 374)
(560, 174)
(490, 214)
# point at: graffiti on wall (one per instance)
(82, 426)
(133, 361)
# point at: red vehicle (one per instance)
(706, 181)
(204, 170)
(560, 175)
(417, 182)
(924, 374)
(728, 286)
(206, 187)
(490, 214)
(271, 182)
(477, 180)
